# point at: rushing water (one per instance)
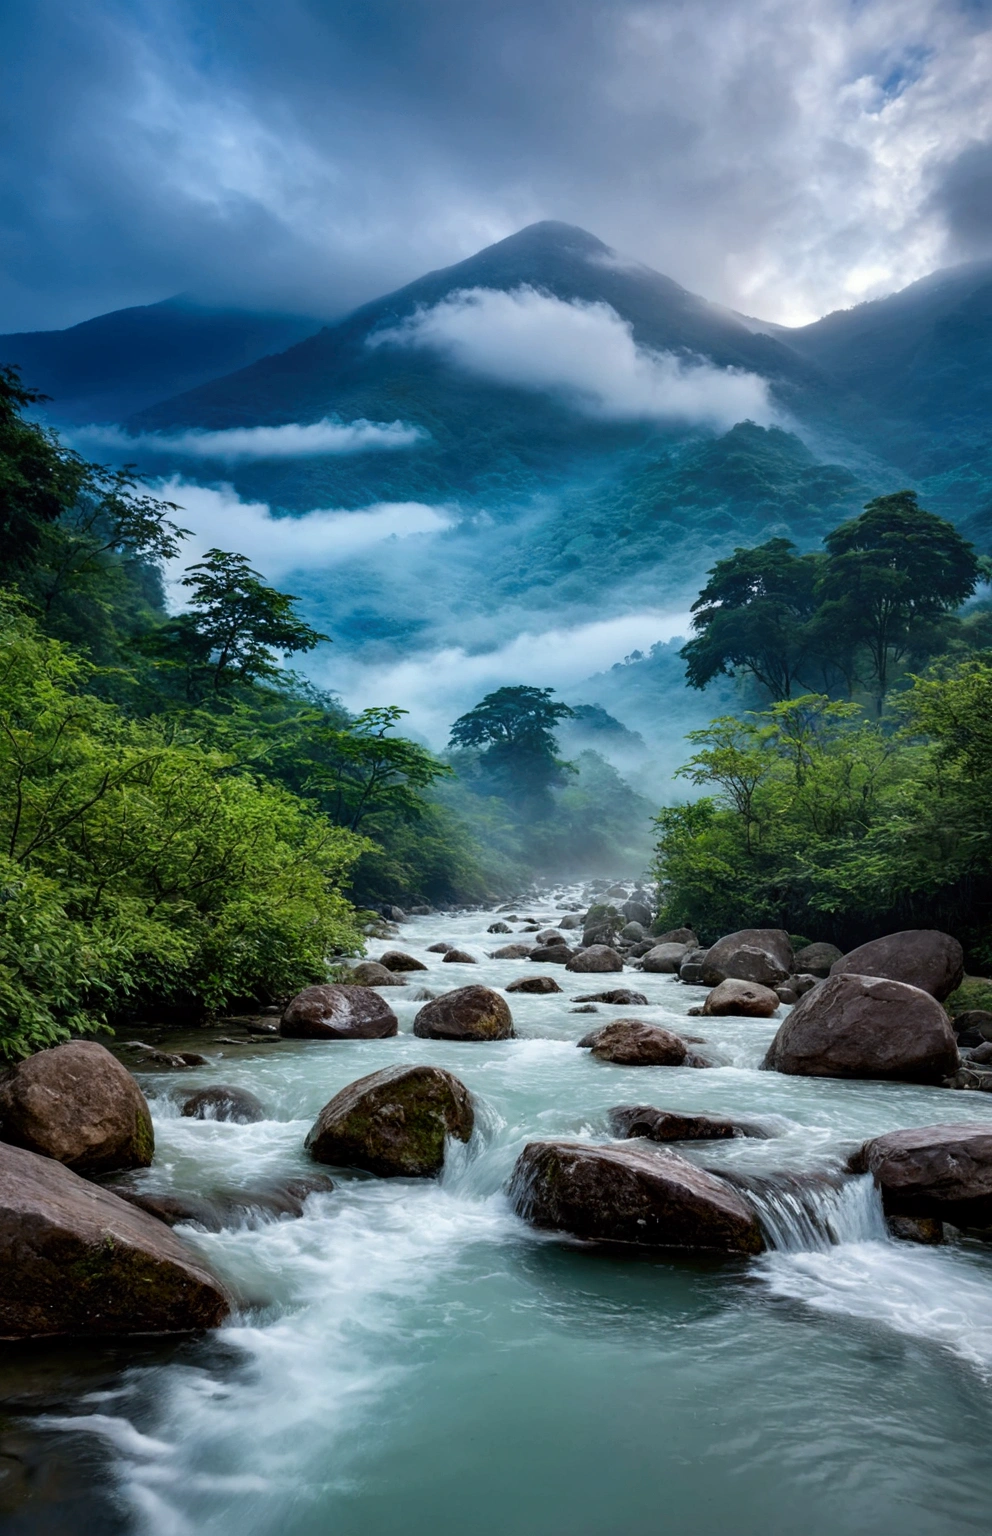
(413, 1359)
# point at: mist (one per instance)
(291, 441)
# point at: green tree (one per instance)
(891, 575)
(234, 625)
(753, 617)
(515, 730)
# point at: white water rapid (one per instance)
(411, 1358)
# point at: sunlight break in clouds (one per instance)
(437, 686)
(292, 441)
(583, 350)
(277, 546)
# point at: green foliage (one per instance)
(142, 867)
(974, 992)
(880, 595)
(516, 729)
(820, 819)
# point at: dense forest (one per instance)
(187, 823)
(857, 798)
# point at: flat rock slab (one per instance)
(629, 1195)
(632, 1043)
(468, 1013)
(866, 1026)
(673, 1125)
(77, 1104)
(618, 997)
(920, 957)
(77, 1261)
(393, 1123)
(333, 1012)
(940, 1171)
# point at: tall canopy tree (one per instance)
(515, 727)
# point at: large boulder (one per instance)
(512, 952)
(921, 957)
(691, 969)
(672, 1125)
(371, 974)
(763, 955)
(77, 1260)
(743, 998)
(941, 1171)
(632, 1043)
(816, 959)
(637, 912)
(570, 922)
(633, 933)
(537, 984)
(865, 1026)
(684, 936)
(332, 1012)
(468, 1013)
(630, 1195)
(551, 954)
(396, 960)
(222, 1101)
(599, 957)
(393, 1123)
(77, 1104)
(665, 959)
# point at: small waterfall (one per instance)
(818, 1212)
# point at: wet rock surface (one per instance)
(674, 1125)
(625, 1195)
(371, 974)
(77, 1260)
(597, 958)
(920, 957)
(77, 1104)
(863, 1026)
(664, 959)
(221, 1101)
(763, 955)
(468, 1013)
(746, 999)
(393, 1123)
(338, 1013)
(938, 1171)
(398, 960)
(632, 1043)
(617, 997)
(540, 985)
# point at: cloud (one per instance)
(279, 546)
(437, 686)
(292, 441)
(583, 350)
(777, 157)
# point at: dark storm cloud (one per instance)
(782, 158)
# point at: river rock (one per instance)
(664, 959)
(499, 928)
(333, 1012)
(599, 957)
(683, 936)
(865, 1026)
(673, 1125)
(920, 957)
(458, 957)
(221, 1101)
(632, 1043)
(393, 1123)
(637, 912)
(570, 922)
(77, 1261)
(77, 1104)
(630, 1195)
(763, 955)
(972, 1026)
(619, 997)
(550, 936)
(442, 948)
(551, 954)
(633, 933)
(396, 960)
(539, 984)
(943, 1171)
(816, 959)
(916, 1229)
(691, 969)
(371, 974)
(512, 952)
(468, 1013)
(228, 1208)
(742, 998)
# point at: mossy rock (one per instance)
(394, 1123)
(975, 992)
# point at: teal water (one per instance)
(413, 1359)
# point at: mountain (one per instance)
(107, 368)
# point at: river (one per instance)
(411, 1358)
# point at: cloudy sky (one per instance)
(784, 158)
